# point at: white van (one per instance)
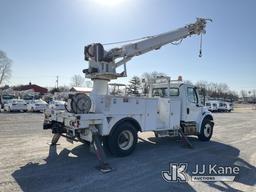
(222, 107)
(229, 106)
(212, 106)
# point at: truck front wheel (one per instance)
(122, 141)
(206, 130)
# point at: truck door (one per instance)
(193, 108)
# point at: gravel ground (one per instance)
(27, 163)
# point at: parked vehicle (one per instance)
(212, 106)
(5, 98)
(37, 106)
(221, 106)
(57, 105)
(229, 106)
(30, 97)
(15, 105)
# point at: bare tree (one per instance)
(188, 82)
(202, 89)
(254, 95)
(216, 90)
(5, 67)
(88, 84)
(115, 90)
(244, 95)
(202, 84)
(149, 78)
(77, 81)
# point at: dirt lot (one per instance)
(27, 163)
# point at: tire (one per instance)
(206, 130)
(122, 141)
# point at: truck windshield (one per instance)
(163, 92)
(192, 95)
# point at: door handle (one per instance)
(187, 110)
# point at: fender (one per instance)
(115, 122)
(205, 114)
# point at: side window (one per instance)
(191, 94)
(174, 92)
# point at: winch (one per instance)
(78, 103)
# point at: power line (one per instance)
(127, 41)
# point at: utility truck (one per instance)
(115, 120)
(5, 98)
(229, 106)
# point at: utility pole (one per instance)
(57, 81)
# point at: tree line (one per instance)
(5, 67)
(248, 96)
(140, 86)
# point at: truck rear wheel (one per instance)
(206, 130)
(122, 140)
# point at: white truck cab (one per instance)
(189, 110)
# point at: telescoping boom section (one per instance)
(103, 63)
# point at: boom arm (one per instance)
(103, 64)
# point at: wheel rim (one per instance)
(207, 130)
(125, 140)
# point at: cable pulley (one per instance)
(79, 103)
